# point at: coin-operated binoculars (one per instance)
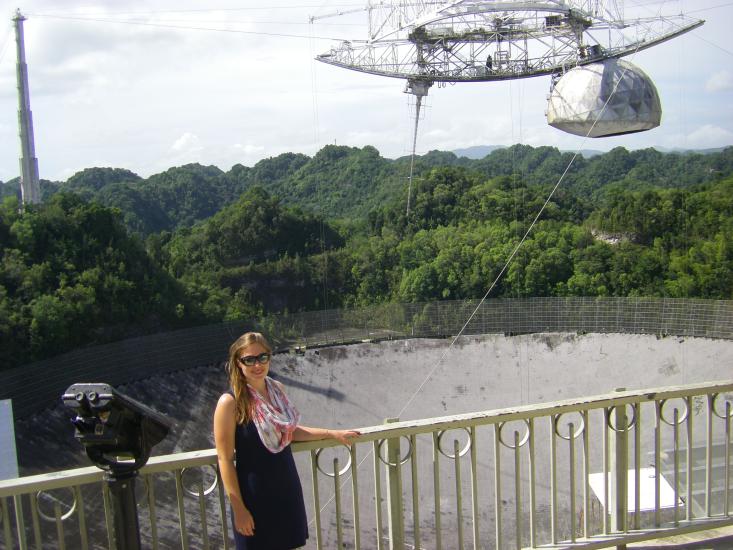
(118, 434)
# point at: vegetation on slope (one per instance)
(109, 254)
(70, 274)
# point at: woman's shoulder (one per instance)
(226, 400)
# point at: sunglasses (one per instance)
(250, 360)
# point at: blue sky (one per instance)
(137, 85)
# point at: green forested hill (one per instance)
(178, 197)
(71, 274)
(339, 182)
(655, 242)
(463, 227)
(109, 254)
(349, 182)
(244, 250)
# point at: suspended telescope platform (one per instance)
(480, 41)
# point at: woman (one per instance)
(256, 419)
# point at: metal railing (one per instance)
(584, 473)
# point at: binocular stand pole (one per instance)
(121, 486)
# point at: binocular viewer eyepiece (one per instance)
(118, 432)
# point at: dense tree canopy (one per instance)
(70, 274)
(245, 248)
(109, 254)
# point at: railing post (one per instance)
(619, 443)
(394, 493)
(124, 510)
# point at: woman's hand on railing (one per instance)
(345, 437)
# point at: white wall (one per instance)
(8, 457)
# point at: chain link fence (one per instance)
(39, 385)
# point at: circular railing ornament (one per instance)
(512, 445)
(42, 493)
(579, 430)
(402, 460)
(728, 406)
(209, 489)
(341, 472)
(629, 425)
(680, 420)
(462, 452)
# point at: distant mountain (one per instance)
(347, 183)
(477, 151)
(588, 153)
(680, 150)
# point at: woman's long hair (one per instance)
(237, 380)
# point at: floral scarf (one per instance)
(277, 421)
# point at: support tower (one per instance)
(29, 183)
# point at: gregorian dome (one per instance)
(607, 98)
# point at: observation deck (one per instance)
(520, 477)
(589, 470)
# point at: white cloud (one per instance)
(720, 82)
(248, 149)
(709, 136)
(187, 143)
(142, 89)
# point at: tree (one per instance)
(70, 274)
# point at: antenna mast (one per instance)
(30, 188)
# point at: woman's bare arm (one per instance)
(305, 433)
(224, 427)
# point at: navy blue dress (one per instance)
(271, 491)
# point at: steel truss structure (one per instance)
(486, 40)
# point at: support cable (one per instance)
(245, 9)
(6, 43)
(497, 278)
(518, 172)
(319, 187)
(493, 284)
(514, 251)
(185, 27)
(418, 103)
